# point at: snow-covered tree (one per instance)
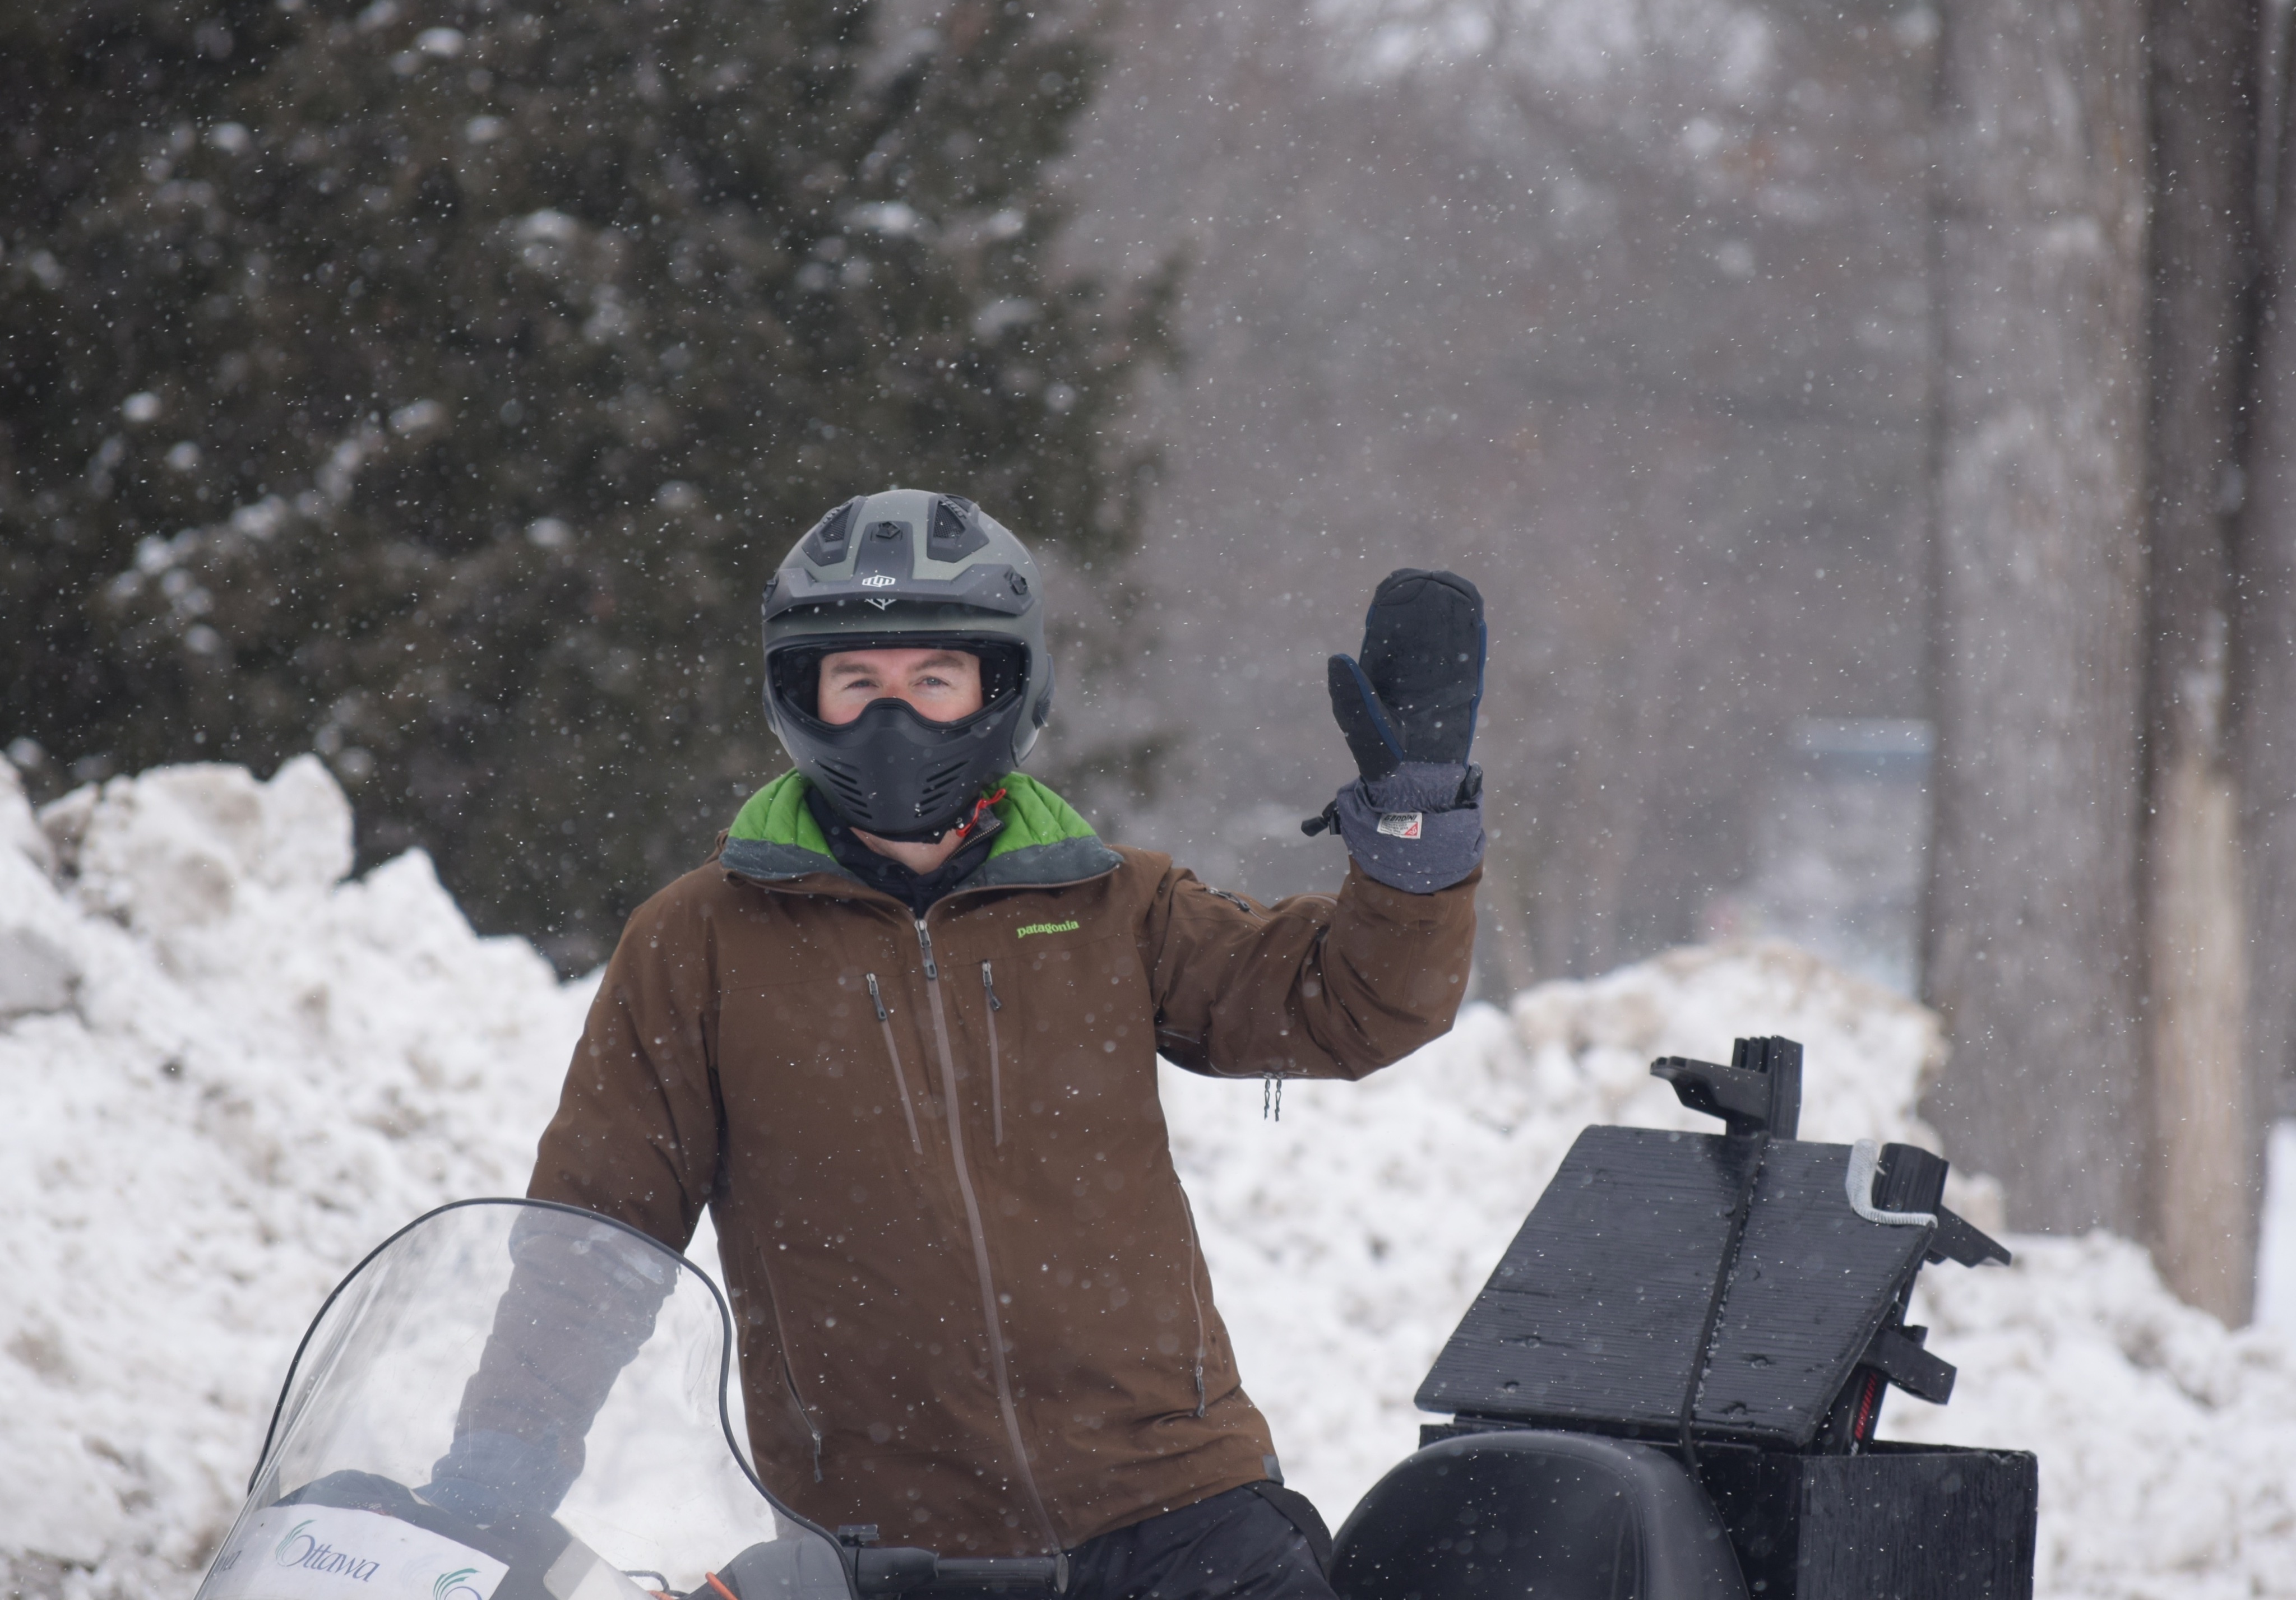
(435, 381)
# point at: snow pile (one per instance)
(228, 1073)
(2167, 1445)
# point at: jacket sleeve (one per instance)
(581, 1301)
(638, 1131)
(1315, 986)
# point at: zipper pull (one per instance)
(876, 998)
(924, 943)
(990, 984)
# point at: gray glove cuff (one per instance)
(1409, 829)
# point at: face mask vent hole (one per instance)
(846, 782)
(941, 782)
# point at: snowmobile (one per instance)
(1666, 1391)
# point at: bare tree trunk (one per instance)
(2203, 1200)
(2038, 567)
(2264, 643)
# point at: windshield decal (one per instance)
(315, 1552)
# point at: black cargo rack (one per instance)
(1740, 1299)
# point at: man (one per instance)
(900, 1036)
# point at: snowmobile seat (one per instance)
(1528, 1515)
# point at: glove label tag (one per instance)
(1399, 824)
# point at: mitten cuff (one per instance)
(1419, 828)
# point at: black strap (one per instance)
(1300, 1512)
(1739, 1215)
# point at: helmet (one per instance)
(907, 569)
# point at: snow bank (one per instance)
(2167, 1445)
(228, 1072)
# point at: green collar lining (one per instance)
(774, 836)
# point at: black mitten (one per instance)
(1407, 706)
(1413, 693)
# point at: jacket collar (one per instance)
(1044, 843)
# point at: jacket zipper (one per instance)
(988, 1302)
(996, 1073)
(1189, 1212)
(892, 1053)
(789, 1367)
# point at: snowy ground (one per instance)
(227, 1073)
(252, 1074)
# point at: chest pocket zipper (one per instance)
(893, 1054)
(996, 1070)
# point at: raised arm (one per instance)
(1318, 986)
(1315, 986)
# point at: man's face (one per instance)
(942, 685)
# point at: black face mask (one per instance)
(898, 774)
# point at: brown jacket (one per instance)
(971, 1302)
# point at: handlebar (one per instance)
(785, 1568)
(903, 1569)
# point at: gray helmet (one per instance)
(906, 569)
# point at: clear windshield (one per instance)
(514, 1401)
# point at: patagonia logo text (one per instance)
(1048, 927)
(1399, 824)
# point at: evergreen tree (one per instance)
(434, 384)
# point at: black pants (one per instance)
(1235, 1545)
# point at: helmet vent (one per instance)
(954, 534)
(832, 539)
(884, 554)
